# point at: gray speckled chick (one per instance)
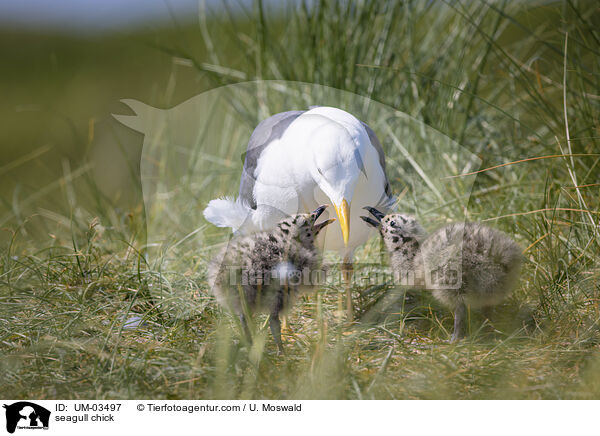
(266, 271)
(462, 263)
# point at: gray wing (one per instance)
(266, 132)
(377, 145)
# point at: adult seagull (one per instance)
(296, 161)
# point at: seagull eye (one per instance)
(320, 172)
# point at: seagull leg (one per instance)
(459, 322)
(347, 272)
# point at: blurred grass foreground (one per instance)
(103, 289)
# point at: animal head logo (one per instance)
(26, 415)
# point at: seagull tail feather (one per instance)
(227, 212)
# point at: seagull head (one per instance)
(336, 168)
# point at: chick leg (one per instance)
(274, 322)
(284, 319)
(487, 312)
(460, 313)
(275, 325)
(245, 328)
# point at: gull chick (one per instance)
(265, 272)
(465, 264)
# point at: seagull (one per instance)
(298, 160)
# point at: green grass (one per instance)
(493, 77)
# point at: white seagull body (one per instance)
(300, 159)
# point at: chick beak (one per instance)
(315, 216)
(318, 211)
(378, 215)
(343, 213)
(319, 227)
(371, 221)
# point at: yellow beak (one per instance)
(343, 213)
